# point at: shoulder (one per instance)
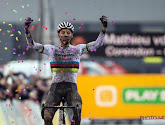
(81, 45)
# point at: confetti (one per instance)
(40, 70)
(38, 19)
(31, 11)
(5, 48)
(44, 27)
(15, 11)
(44, 64)
(13, 29)
(19, 55)
(94, 50)
(22, 6)
(80, 27)
(12, 122)
(30, 110)
(82, 23)
(49, 41)
(19, 97)
(74, 19)
(37, 102)
(72, 120)
(3, 22)
(60, 49)
(70, 21)
(93, 89)
(16, 39)
(66, 13)
(3, 34)
(27, 48)
(95, 1)
(0, 29)
(20, 19)
(19, 32)
(10, 25)
(109, 61)
(8, 31)
(127, 48)
(112, 21)
(12, 35)
(66, 57)
(32, 28)
(128, 40)
(27, 5)
(93, 60)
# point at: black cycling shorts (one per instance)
(59, 90)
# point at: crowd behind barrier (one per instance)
(21, 87)
(25, 112)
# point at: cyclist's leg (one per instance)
(73, 98)
(52, 99)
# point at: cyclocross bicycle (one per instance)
(61, 112)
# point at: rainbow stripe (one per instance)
(64, 67)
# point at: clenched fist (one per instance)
(27, 22)
(104, 21)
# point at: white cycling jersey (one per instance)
(64, 63)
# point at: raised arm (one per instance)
(92, 46)
(100, 39)
(37, 46)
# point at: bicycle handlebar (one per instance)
(59, 107)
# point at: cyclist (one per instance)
(64, 63)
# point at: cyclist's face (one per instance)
(65, 36)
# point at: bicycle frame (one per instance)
(61, 112)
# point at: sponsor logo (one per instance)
(144, 95)
(106, 96)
